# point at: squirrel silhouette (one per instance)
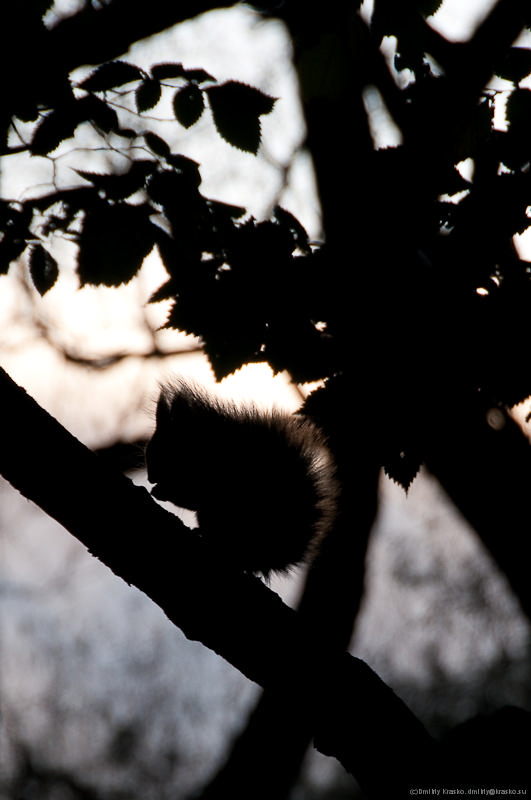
(262, 483)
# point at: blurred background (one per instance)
(100, 696)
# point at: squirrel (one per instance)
(262, 483)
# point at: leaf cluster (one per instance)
(253, 295)
(443, 280)
(117, 213)
(236, 107)
(450, 286)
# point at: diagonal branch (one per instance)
(477, 59)
(487, 473)
(95, 35)
(351, 712)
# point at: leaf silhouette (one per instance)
(167, 291)
(119, 187)
(111, 75)
(161, 72)
(147, 94)
(188, 105)
(198, 75)
(113, 244)
(43, 268)
(236, 108)
(97, 111)
(403, 468)
(428, 7)
(157, 144)
(56, 126)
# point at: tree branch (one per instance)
(351, 712)
(487, 473)
(475, 61)
(93, 36)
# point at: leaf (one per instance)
(10, 250)
(127, 133)
(167, 291)
(230, 331)
(113, 244)
(161, 72)
(157, 145)
(292, 343)
(43, 268)
(178, 195)
(119, 187)
(147, 94)
(403, 468)
(188, 105)
(428, 7)
(236, 108)
(186, 166)
(97, 111)
(226, 210)
(111, 75)
(56, 126)
(198, 76)
(300, 237)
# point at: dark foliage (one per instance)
(447, 271)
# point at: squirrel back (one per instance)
(262, 482)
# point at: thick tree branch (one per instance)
(475, 61)
(351, 712)
(92, 36)
(487, 473)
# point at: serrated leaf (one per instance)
(157, 145)
(57, 126)
(43, 268)
(111, 75)
(236, 108)
(167, 291)
(99, 112)
(161, 72)
(241, 95)
(174, 190)
(113, 244)
(403, 468)
(147, 94)
(186, 166)
(119, 187)
(428, 7)
(199, 76)
(188, 105)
